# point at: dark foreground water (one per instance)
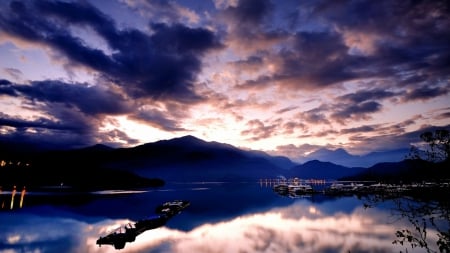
(222, 217)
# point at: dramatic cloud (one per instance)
(162, 65)
(424, 93)
(252, 73)
(259, 130)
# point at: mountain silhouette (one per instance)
(185, 158)
(323, 170)
(404, 171)
(190, 158)
(342, 157)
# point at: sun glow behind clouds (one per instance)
(135, 130)
(269, 73)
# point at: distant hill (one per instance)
(323, 170)
(342, 157)
(406, 171)
(280, 161)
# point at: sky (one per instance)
(286, 77)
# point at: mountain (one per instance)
(180, 159)
(342, 157)
(404, 171)
(323, 170)
(279, 161)
(190, 158)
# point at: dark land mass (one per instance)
(68, 178)
(342, 157)
(182, 159)
(68, 170)
(323, 170)
(404, 171)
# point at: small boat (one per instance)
(300, 188)
(281, 189)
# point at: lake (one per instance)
(222, 217)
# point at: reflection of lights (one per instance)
(22, 195)
(13, 239)
(312, 210)
(12, 197)
(1, 198)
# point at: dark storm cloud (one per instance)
(365, 95)
(158, 119)
(359, 105)
(410, 34)
(163, 65)
(40, 123)
(252, 63)
(393, 140)
(425, 93)
(7, 88)
(250, 12)
(76, 112)
(292, 127)
(42, 133)
(405, 42)
(249, 25)
(444, 115)
(315, 116)
(4, 82)
(361, 111)
(91, 100)
(318, 59)
(361, 129)
(413, 21)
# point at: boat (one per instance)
(281, 189)
(300, 189)
(128, 233)
(172, 208)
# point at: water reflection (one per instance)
(300, 227)
(128, 233)
(12, 196)
(221, 218)
(423, 215)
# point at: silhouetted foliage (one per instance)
(426, 214)
(437, 147)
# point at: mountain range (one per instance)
(180, 159)
(342, 157)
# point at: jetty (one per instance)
(128, 232)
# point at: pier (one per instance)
(295, 187)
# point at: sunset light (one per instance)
(224, 126)
(276, 74)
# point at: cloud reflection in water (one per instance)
(299, 227)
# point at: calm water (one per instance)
(222, 217)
